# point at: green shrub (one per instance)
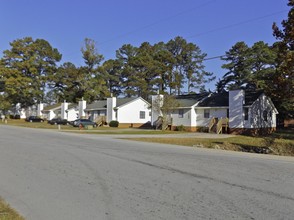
(202, 129)
(180, 128)
(113, 124)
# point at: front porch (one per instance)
(218, 125)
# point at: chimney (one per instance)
(111, 112)
(236, 102)
(82, 107)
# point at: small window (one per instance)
(206, 113)
(142, 115)
(181, 113)
(265, 115)
(228, 113)
(246, 111)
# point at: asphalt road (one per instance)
(55, 175)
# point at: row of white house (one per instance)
(236, 111)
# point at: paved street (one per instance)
(55, 175)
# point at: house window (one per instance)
(142, 115)
(265, 115)
(206, 113)
(181, 113)
(246, 111)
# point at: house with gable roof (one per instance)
(236, 111)
(129, 112)
(68, 111)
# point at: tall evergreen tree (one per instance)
(238, 66)
(111, 70)
(187, 66)
(164, 64)
(248, 67)
(145, 67)
(124, 56)
(25, 69)
(68, 83)
(94, 80)
(283, 79)
(73, 83)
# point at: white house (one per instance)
(235, 112)
(63, 110)
(251, 112)
(18, 111)
(129, 112)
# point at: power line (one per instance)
(196, 35)
(213, 58)
(157, 22)
(236, 24)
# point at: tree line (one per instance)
(30, 71)
(30, 74)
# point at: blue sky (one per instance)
(213, 25)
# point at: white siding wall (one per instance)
(51, 115)
(257, 119)
(72, 114)
(195, 118)
(130, 113)
(23, 113)
(213, 113)
(186, 120)
(96, 113)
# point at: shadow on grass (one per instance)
(243, 147)
(284, 134)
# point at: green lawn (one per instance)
(23, 123)
(98, 130)
(278, 143)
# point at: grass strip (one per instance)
(265, 145)
(7, 213)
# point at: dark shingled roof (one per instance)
(215, 100)
(58, 106)
(252, 96)
(102, 104)
(49, 107)
(190, 100)
(222, 99)
(122, 101)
